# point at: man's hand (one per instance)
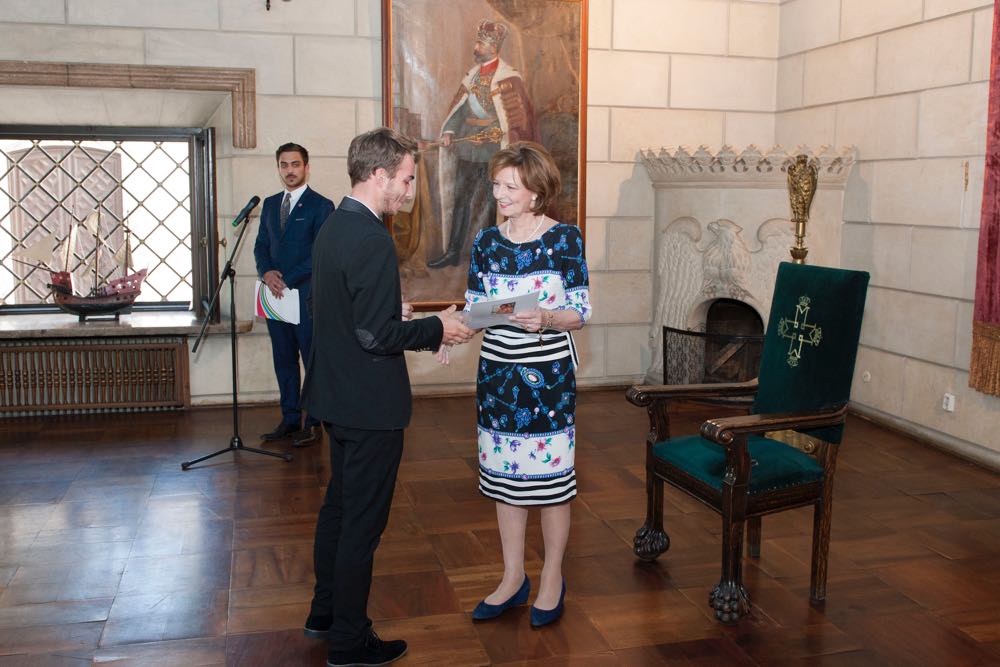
(407, 311)
(274, 283)
(445, 139)
(455, 332)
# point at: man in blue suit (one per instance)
(289, 223)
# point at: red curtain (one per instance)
(984, 369)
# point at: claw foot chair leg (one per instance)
(730, 601)
(651, 540)
(729, 598)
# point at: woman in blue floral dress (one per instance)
(526, 386)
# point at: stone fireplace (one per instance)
(728, 350)
(722, 227)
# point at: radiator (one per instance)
(82, 375)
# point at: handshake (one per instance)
(453, 322)
(455, 330)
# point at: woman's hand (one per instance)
(529, 320)
(442, 355)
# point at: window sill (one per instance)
(135, 324)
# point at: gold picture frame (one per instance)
(432, 52)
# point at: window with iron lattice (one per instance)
(90, 212)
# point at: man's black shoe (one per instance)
(307, 436)
(450, 258)
(372, 652)
(317, 626)
(283, 430)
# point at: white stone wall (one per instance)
(906, 82)
(317, 75)
(662, 72)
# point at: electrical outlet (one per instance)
(866, 376)
(948, 402)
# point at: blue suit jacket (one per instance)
(291, 252)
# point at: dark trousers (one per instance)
(288, 343)
(363, 466)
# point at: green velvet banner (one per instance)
(811, 341)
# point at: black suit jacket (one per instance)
(356, 375)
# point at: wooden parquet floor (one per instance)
(110, 554)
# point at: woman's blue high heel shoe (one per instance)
(485, 611)
(540, 617)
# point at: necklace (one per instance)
(530, 236)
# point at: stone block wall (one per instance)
(906, 82)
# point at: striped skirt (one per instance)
(526, 400)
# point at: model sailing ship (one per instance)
(113, 298)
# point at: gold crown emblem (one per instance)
(491, 32)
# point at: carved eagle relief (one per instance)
(725, 263)
(693, 268)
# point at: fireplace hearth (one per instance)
(721, 228)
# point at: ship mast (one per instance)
(127, 264)
(123, 256)
(70, 245)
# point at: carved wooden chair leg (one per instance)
(651, 540)
(821, 546)
(753, 537)
(729, 598)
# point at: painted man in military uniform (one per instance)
(490, 110)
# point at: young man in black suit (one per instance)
(357, 384)
(289, 223)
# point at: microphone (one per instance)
(245, 213)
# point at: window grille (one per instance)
(100, 201)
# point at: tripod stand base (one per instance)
(236, 445)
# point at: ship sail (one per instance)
(41, 252)
(92, 223)
(123, 256)
(69, 247)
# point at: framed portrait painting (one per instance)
(466, 78)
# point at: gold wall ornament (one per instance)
(803, 175)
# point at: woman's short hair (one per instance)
(381, 148)
(536, 168)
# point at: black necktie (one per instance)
(286, 208)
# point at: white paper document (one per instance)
(285, 309)
(498, 311)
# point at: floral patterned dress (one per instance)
(526, 382)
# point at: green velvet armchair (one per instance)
(804, 384)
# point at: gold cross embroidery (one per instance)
(798, 332)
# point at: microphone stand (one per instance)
(235, 444)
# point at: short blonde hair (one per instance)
(536, 168)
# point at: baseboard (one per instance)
(970, 451)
